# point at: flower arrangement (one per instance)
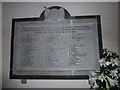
(108, 77)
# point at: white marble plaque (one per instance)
(56, 46)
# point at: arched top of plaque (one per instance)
(54, 13)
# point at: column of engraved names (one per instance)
(55, 48)
(77, 45)
(31, 52)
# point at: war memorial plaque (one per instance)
(55, 48)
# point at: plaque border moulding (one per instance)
(47, 15)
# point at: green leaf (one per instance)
(107, 85)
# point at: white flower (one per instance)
(112, 82)
(114, 62)
(93, 74)
(104, 52)
(92, 81)
(103, 62)
(95, 85)
(108, 63)
(109, 54)
(113, 73)
(102, 77)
